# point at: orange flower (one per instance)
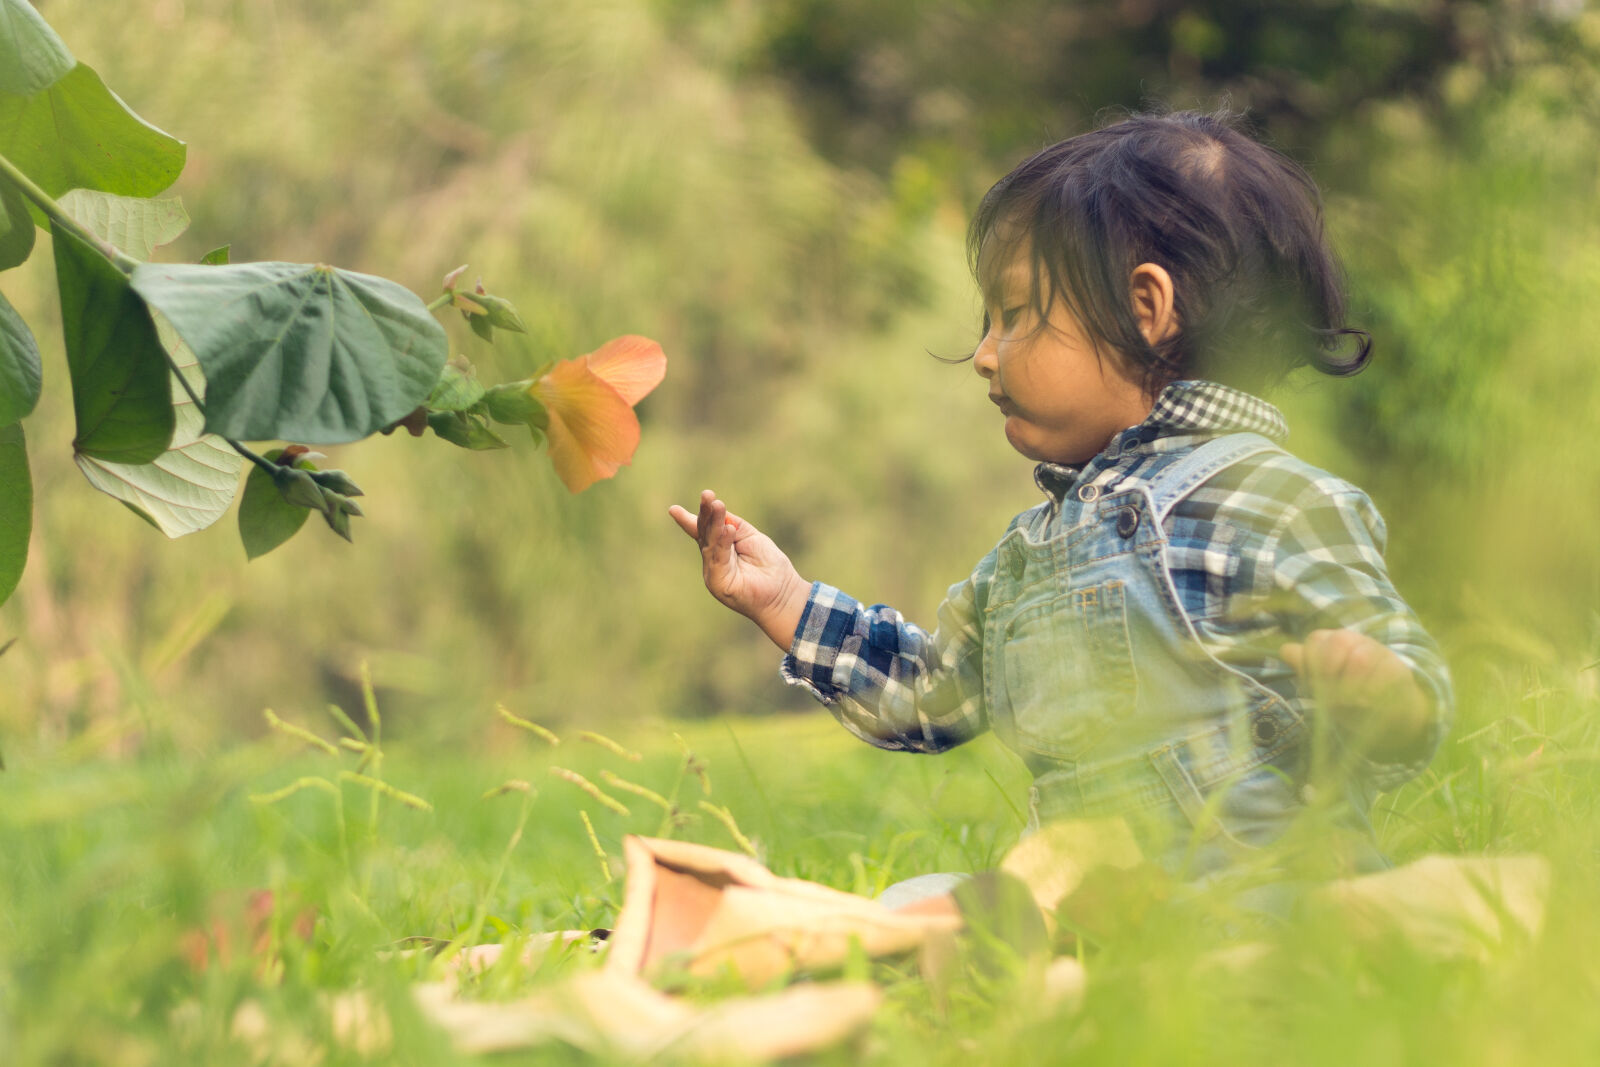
(593, 431)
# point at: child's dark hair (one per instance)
(1237, 225)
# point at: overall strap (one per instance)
(1180, 478)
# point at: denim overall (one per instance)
(1095, 675)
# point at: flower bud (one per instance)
(500, 312)
(337, 481)
(339, 522)
(299, 488)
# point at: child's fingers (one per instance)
(1294, 654)
(1360, 662)
(716, 539)
(703, 520)
(685, 519)
(1327, 652)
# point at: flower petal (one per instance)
(592, 430)
(630, 364)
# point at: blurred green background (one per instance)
(777, 192)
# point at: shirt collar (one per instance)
(1184, 408)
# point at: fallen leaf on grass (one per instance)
(707, 910)
(1449, 906)
(1054, 861)
(617, 1013)
(479, 958)
(1112, 901)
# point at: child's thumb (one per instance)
(1294, 654)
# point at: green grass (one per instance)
(109, 860)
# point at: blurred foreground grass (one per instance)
(111, 865)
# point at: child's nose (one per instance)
(986, 359)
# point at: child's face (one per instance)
(1062, 400)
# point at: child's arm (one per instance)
(1357, 649)
(885, 679)
(1371, 693)
(745, 570)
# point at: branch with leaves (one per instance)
(174, 366)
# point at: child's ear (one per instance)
(1153, 302)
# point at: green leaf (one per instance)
(16, 228)
(77, 134)
(32, 57)
(457, 389)
(134, 224)
(16, 507)
(19, 366)
(266, 520)
(467, 429)
(300, 353)
(120, 389)
(217, 257)
(189, 486)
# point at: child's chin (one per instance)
(1029, 446)
(1017, 437)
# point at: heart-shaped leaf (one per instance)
(16, 228)
(189, 486)
(77, 134)
(300, 353)
(16, 507)
(19, 365)
(121, 390)
(134, 224)
(32, 57)
(266, 519)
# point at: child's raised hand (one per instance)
(1371, 693)
(744, 569)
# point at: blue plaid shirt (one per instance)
(1261, 553)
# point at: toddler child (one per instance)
(1191, 607)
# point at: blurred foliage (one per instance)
(967, 84)
(777, 192)
(578, 147)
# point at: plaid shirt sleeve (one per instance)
(1327, 560)
(888, 681)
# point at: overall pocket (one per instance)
(1247, 798)
(1067, 671)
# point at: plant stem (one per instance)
(265, 464)
(200, 406)
(59, 218)
(440, 301)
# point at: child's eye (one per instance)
(1009, 317)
